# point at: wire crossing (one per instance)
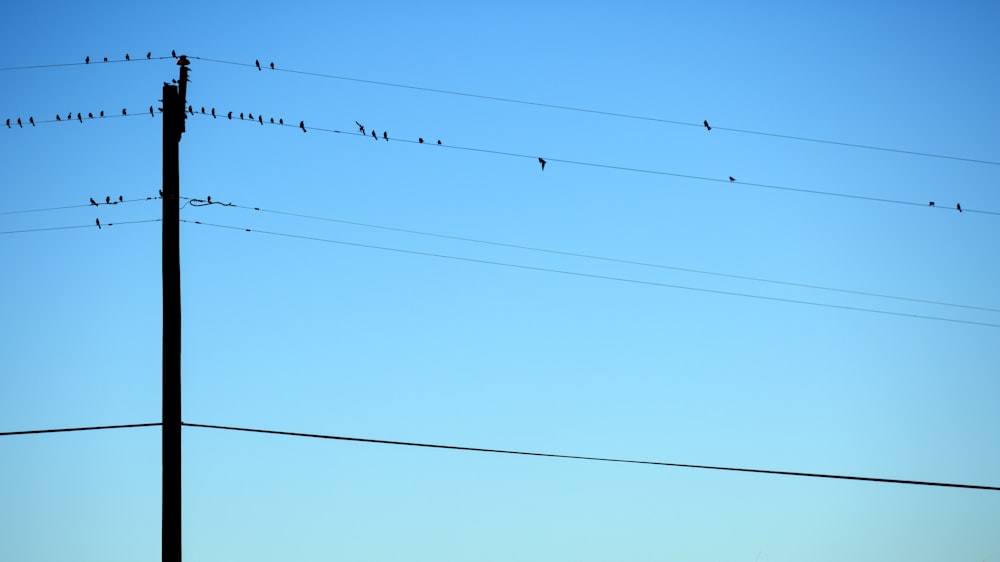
(597, 459)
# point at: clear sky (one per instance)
(288, 328)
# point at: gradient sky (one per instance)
(288, 328)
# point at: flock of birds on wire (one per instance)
(281, 121)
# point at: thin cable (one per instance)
(726, 181)
(99, 204)
(79, 120)
(67, 429)
(613, 114)
(597, 459)
(83, 63)
(614, 260)
(110, 224)
(604, 277)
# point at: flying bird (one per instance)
(107, 199)
(731, 178)
(257, 62)
(420, 140)
(126, 57)
(360, 127)
(959, 207)
(707, 126)
(374, 136)
(931, 204)
(302, 125)
(98, 224)
(31, 120)
(385, 135)
(542, 162)
(87, 60)
(92, 202)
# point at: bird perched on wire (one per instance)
(202, 110)
(149, 54)
(385, 135)
(241, 115)
(151, 114)
(230, 115)
(87, 60)
(257, 62)
(439, 141)
(191, 109)
(92, 202)
(931, 204)
(420, 140)
(19, 123)
(126, 57)
(260, 119)
(360, 127)
(707, 126)
(69, 116)
(8, 123)
(173, 53)
(209, 198)
(107, 199)
(250, 115)
(374, 136)
(79, 117)
(542, 162)
(959, 207)
(58, 118)
(126, 113)
(121, 199)
(302, 125)
(102, 113)
(281, 121)
(90, 116)
(31, 120)
(732, 179)
(213, 113)
(105, 59)
(272, 65)
(98, 223)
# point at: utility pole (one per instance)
(174, 100)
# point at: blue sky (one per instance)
(288, 328)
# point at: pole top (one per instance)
(183, 60)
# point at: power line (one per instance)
(597, 459)
(604, 277)
(78, 117)
(84, 62)
(612, 260)
(611, 113)
(116, 223)
(96, 204)
(68, 429)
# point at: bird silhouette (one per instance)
(272, 65)
(241, 115)
(161, 193)
(260, 119)
(98, 223)
(251, 116)
(959, 207)
(360, 127)
(69, 116)
(8, 123)
(213, 113)
(87, 60)
(203, 111)
(79, 117)
(209, 198)
(90, 116)
(542, 162)
(102, 113)
(257, 62)
(374, 136)
(931, 204)
(151, 114)
(105, 59)
(126, 57)
(385, 135)
(107, 199)
(58, 117)
(19, 123)
(272, 120)
(92, 202)
(439, 141)
(281, 121)
(173, 53)
(230, 115)
(126, 113)
(707, 126)
(420, 140)
(302, 125)
(191, 109)
(149, 54)
(731, 178)
(31, 120)
(120, 199)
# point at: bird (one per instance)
(191, 109)
(58, 117)
(281, 121)
(257, 62)
(302, 125)
(707, 126)
(92, 202)
(542, 162)
(272, 120)
(360, 127)
(69, 116)
(385, 135)
(272, 65)
(203, 111)
(107, 199)
(241, 115)
(151, 114)
(79, 117)
(420, 140)
(126, 57)
(209, 198)
(126, 113)
(251, 116)
(161, 193)
(90, 116)
(8, 123)
(149, 54)
(731, 178)
(959, 207)
(230, 115)
(931, 204)
(374, 136)
(213, 113)
(19, 123)
(105, 59)
(120, 199)
(173, 53)
(102, 113)
(31, 120)
(98, 224)
(439, 141)
(260, 119)
(87, 60)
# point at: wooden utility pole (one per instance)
(173, 127)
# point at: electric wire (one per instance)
(611, 113)
(81, 205)
(110, 224)
(69, 429)
(595, 459)
(596, 276)
(83, 63)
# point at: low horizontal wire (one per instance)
(83, 63)
(110, 224)
(69, 429)
(45, 209)
(614, 260)
(612, 114)
(596, 459)
(25, 124)
(636, 170)
(604, 277)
